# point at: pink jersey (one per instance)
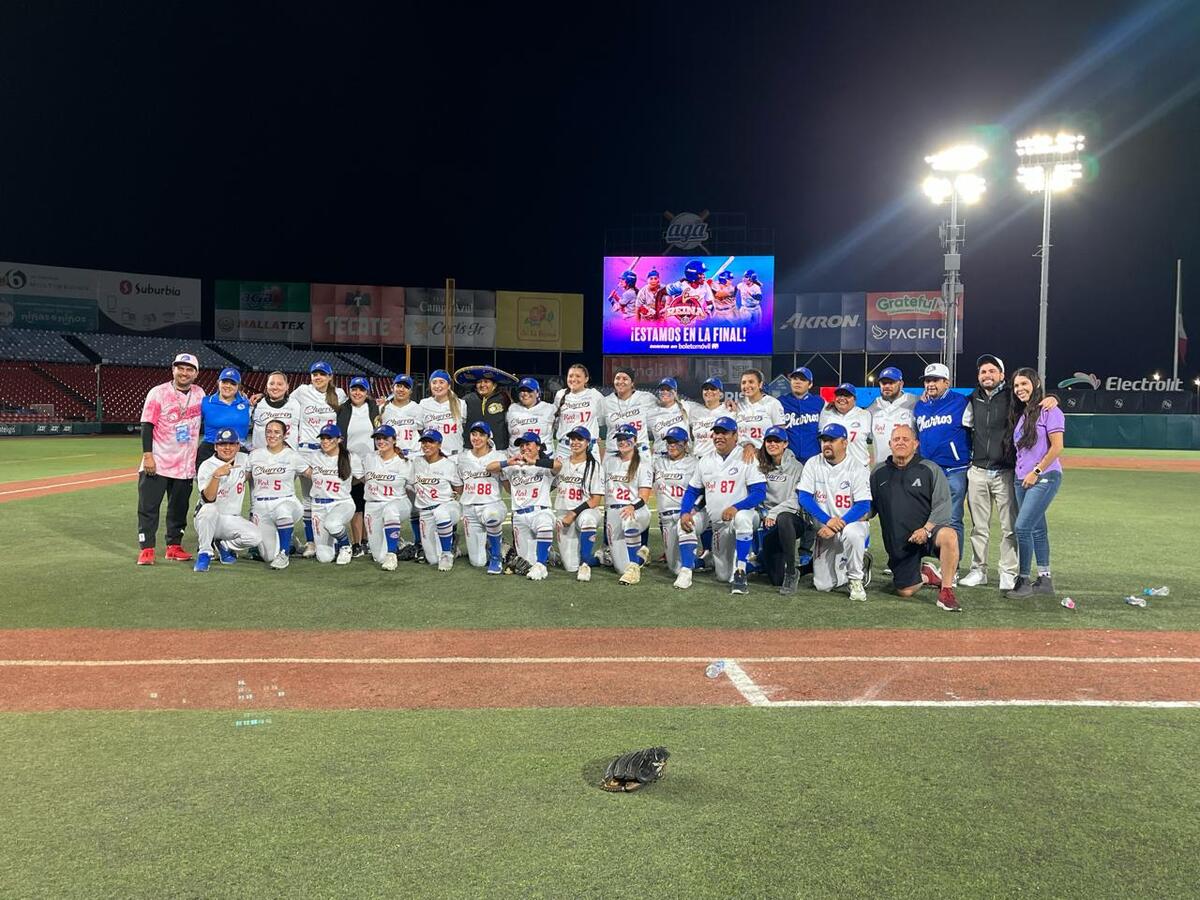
(176, 420)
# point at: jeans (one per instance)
(1033, 538)
(958, 493)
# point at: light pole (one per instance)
(954, 180)
(1048, 164)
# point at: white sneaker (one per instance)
(389, 563)
(310, 550)
(445, 562)
(644, 554)
(974, 578)
(683, 580)
(537, 572)
(857, 591)
(631, 575)
(1007, 582)
(281, 560)
(344, 556)
(584, 573)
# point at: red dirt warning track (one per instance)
(263, 670)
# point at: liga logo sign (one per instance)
(686, 231)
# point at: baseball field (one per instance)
(342, 731)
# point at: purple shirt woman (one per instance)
(1037, 436)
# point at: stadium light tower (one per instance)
(1048, 164)
(953, 179)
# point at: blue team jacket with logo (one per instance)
(800, 419)
(943, 437)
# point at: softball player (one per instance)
(702, 415)
(780, 512)
(756, 411)
(444, 411)
(668, 412)
(275, 405)
(530, 480)
(385, 476)
(627, 407)
(672, 474)
(318, 402)
(273, 471)
(483, 506)
(733, 490)
(836, 491)
(437, 485)
(575, 405)
(333, 470)
(405, 416)
(222, 483)
(579, 483)
(629, 480)
(857, 422)
(750, 293)
(529, 413)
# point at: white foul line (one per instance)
(745, 685)
(56, 485)
(576, 660)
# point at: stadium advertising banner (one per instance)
(908, 322)
(534, 320)
(690, 373)
(474, 317)
(357, 314)
(262, 311)
(682, 305)
(59, 298)
(820, 323)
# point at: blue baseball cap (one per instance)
(846, 388)
(227, 436)
(529, 437)
(483, 427)
(725, 423)
(320, 366)
(725, 275)
(676, 435)
(750, 273)
(580, 432)
(330, 431)
(832, 430)
(403, 379)
(653, 273)
(384, 431)
(230, 374)
(713, 382)
(668, 382)
(625, 433)
(802, 372)
(440, 373)
(776, 432)
(891, 373)
(359, 382)
(431, 434)
(529, 384)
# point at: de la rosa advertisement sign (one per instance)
(908, 322)
(652, 305)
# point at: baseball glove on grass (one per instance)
(632, 770)
(515, 563)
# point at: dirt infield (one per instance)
(1132, 462)
(63, 484)
(263, 670)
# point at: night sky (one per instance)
(314, 142)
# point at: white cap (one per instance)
(187, 359)
(936, 370)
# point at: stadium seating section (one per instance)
(280, 357)
(27, 343)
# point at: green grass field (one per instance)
(759, 802)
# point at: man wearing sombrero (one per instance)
(489, 401)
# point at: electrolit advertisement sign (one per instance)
(689, 304)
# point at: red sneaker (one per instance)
(931, 574)
(176, 552)
(947, 601)
(146, 557)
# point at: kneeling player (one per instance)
(672, 474)
(437, 486)
(483, 509)
(629, 480)
(333, 470)
(222, 483)
(385, 478)
(836, 491)
(274, 507)
(580, 490)
(733, 489)
(530, 479)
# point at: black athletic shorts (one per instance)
(906, 568)
(358, 495)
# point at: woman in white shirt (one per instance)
(333, 469)
(482, 503)
(357, 421)
(444, 411)
(318, 402)
(575, 405)
(273, 471)
(529, 413)
(437, 485)
(629, 480)
(385, 482)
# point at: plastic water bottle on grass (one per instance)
(1163, 591)
(715, 668)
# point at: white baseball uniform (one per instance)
(221, 519)
(702, 419)
(315, 414)
(265, 410)
(755, 418)
(857, 423)
(622, 492)
(274, 507)
(434, 488)
(440, 416)
(575, 484)
(532, 519)
(886, 415)
(584, 408)
(409, 422)
(663, 418)
(633, 413)
(725, 481)
(333, 507)
(482, 502)
(538, 418)
(387, 507)
(671, 478)
(836, 488)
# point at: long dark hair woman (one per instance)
(1037, 437)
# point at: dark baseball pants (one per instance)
(151, 489)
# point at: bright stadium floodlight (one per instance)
(1048, 164)
(959, 184)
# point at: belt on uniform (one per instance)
(618, 505)
(307, 446)
(667, 512)
(264, 499)
(527, 509)
(326, 499)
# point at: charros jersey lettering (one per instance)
(571, 486)
(538, 418)
(288, 413)
(836, 488)
(479, 485)
(633, 412)
(755, 418)
(315, 412)
(584, 408)
(439, 415)
(274, 474)
(702, 418)
(671, 478)
(663, 418)
(384, 479)
(725, 480)
(620, 489)
(530, 485)
(434, 482)
(409, 422)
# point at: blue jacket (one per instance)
(944, 436)
(800, 419)
(216, 414)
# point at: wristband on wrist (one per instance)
(581, 507)
(1037, 470)
(640, 504)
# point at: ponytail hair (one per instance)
(331, 398)
(344, 468)
(634, 462)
